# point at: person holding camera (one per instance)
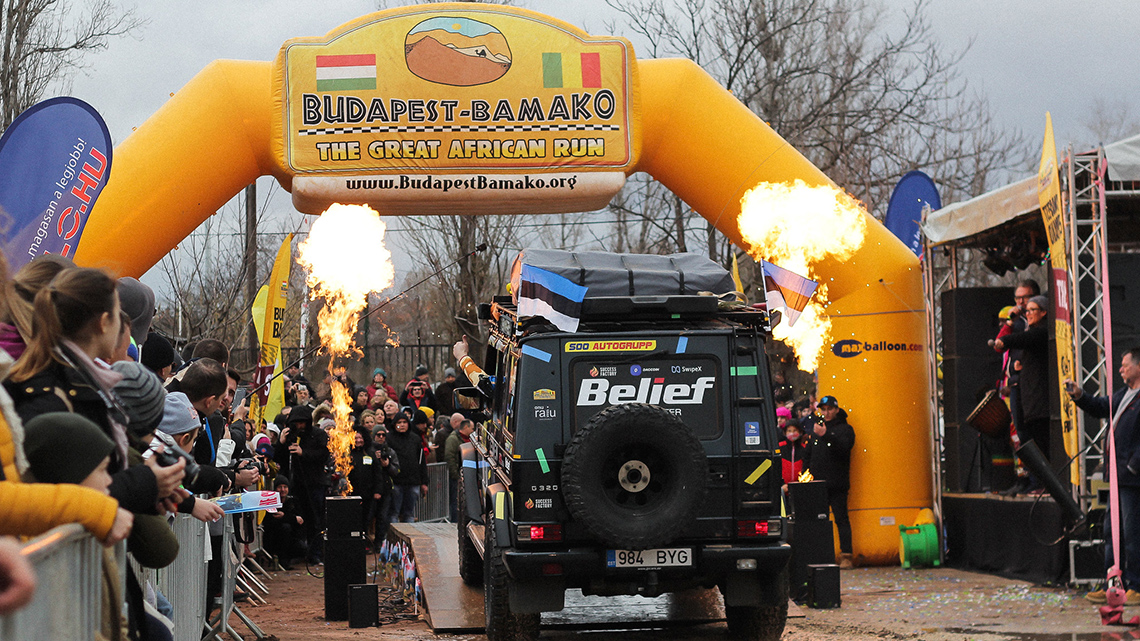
(828, 457)
(1123, 410)
(386, 467)
(302, 455)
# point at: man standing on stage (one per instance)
(1124, 412)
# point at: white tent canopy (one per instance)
(974, 216)
(1124, 159)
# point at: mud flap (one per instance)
(743, 588)
(470, 471)
(501, 512)
(532, 597)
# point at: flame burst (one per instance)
(346, 260)
(796, 226)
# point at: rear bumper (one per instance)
(578, 565)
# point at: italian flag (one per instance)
(343, 73)
(571, 71)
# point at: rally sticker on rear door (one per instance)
(752, 433)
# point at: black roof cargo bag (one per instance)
(610, 274)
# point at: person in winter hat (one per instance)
(829, 460)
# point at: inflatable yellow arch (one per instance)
(461, 109)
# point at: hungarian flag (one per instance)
(786, 289)
(345, 73)
(553, 297)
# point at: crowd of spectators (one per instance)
(105, 424)
(815, 444)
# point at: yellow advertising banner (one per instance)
(269, 314)
(417, 104)
(1049, 197)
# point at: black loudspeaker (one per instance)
(1124, 296)
(823, 586)
(810, 534)
(808, 500)
(970, 368)
(343, 516)
(970, 318)
(344, 566)
(363, 605)
(965, 381)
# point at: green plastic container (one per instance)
(918, 545)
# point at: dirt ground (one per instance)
(878, 603)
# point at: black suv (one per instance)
(637, 455)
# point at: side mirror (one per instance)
(469, 398)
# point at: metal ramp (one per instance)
(452, 606)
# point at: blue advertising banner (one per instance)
(55, 159)
(904, 212)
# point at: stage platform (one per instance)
(1009, 537)
(452, 606)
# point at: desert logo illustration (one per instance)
(457, 51)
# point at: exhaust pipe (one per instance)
(1032, 458)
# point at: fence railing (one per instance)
(183, 582)
(436, 506)
(68, 564)
(398, 361)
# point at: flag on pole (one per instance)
(736, 276)
(269, 319)
(786, 289)
(553, 297)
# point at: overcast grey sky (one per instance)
(1027, 56)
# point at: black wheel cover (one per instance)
(635, 476)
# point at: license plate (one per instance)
(663, 558)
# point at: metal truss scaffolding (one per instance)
(1083, 184)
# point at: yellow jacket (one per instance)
(30, 509)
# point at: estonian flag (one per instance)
(786, 289)
(553, 297)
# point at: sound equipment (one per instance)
(344, 554)
(363, 605)
(808, 501)
(971, 369)
(1124, 295)
(823, 586)
(1086, 562)
(344, 566)
(970, 318)
(343, 515)
(965, 382)
(810, 534)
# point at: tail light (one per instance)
(550, 532)
(753, 529)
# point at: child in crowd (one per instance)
(63, 447)
(284, 534)
(792, 451)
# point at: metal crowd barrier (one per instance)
(436, 507)
(68, 564)
(183, 582)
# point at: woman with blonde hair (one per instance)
(75, 330)
(16, 306)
